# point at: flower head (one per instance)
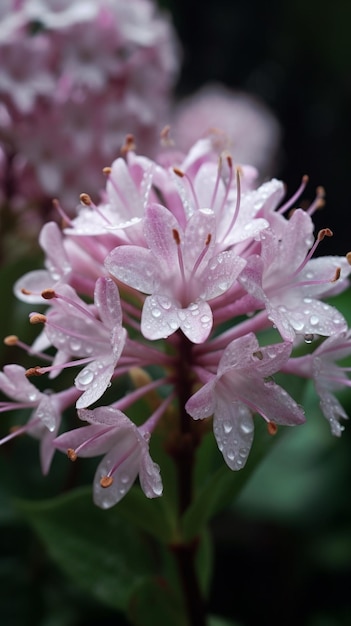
(126, 450)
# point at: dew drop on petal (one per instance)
(86, 377)
(314, 320)
(308, 338)
(227, 427)
(156, 312)
(231, 454)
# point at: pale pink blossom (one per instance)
(126, 450)
(241, 387)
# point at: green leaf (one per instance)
(155, 602)
(97, 549)
(223, 486)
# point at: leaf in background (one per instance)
(97, 549)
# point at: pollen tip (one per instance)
(178, 172)
(34, 371)
(129, 144)
(176, 236)
(48, 294)
(72, 455)
(106, 481)
(85, 199)
(272, 428)
(10, 340)
(165, 137)
(336, 275)
(305, 179)
(107, 170)
(324, 232)
(26, 292)
(37, 318)
(348, 258)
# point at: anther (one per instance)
(348, 258)
(26, 292)
(85, 199)
(34, 371)
(11, 340)
(72, 454)
(48, 294)
(107, 171)
(106, 481)
(336, 275)
(37, 318)
(208, 240)
(176, 236)
(129, 144)
(324, 232)
(165, 136)
(272, 428)
(178, 172)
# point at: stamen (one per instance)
(324, 232)
(106, 481)
(238, 200)
(336, 275)
(272, 428)
(318, 202)
(348, 258)
(37, 318)
(11, 340)
(85, 199)
(129, 144)
(66, 220)
(34, 371)
(215, 190)
(165, 137)
(48, 294)
(176, 238)
(296, 195)
(201, 256)
(72, 454)
(182, 174)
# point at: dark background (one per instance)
(296, 57)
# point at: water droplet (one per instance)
(124, 478)
(246, 427)
(156, 312)
(75, 345)
(223, 286)
(86, 377)
(165, 303)
(205, 319)
(308, 338)
(231, 454)
(297, 325)
(314, 320)
(227, 427)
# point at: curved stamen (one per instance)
(295, 196)
(182, 174)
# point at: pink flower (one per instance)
(241, 387)
(180, 272)
(126, 450)
(327, 375)
(290, 284)
(92, 332)
(46, 410)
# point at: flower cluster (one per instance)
(178, 272)
(74, 76)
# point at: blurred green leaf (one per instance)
(97, 549)
(223, 486)
(154, 602)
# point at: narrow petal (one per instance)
(233, 428)
(134, 266)
(203, 403)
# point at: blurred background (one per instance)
(282, 554)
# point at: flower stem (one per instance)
(183, 453)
